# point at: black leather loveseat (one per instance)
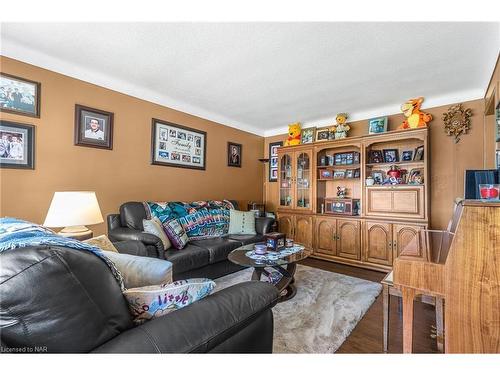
(204, 258)
(55, 299)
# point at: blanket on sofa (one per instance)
(16, 233)
(200, 219)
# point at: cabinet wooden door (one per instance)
(285, 224)
(303, 230)
(406, 238)
(285, 180)
(349, 239)
(378, 243)
(302, 180)
(325, 235)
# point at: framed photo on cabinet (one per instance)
(17, 145)
(177, 146)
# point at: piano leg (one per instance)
(386, 301)
(408, 297)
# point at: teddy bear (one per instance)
(341, 128)
(415, 118)
(293, 134)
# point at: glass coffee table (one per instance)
(282, 264)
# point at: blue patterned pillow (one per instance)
(175, 233)
(150, 302)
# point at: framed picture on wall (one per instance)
(19, 95)
(17, 145)
(273, 160)
(93, 127)
(174, 145)
(234, 154)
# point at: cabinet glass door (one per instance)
(285, 180)
(303, 179)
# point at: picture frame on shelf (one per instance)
(308, 135)
(326, 173)
(20, 96)
(357, 173)
(375, 157)
(377, 125)
(273, 160)
(378, 177)
(407, 155)
(17, 145)
(174, 145)
(419, 153)
(234, 154)
(416, 176)
(391, 155)
(339, 174)
(338, 159)
(349, 173)
(322, 134)
(94, 128)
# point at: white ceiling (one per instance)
(261, 76)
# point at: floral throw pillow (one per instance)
(175, 233)
(150, 302)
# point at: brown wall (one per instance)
(448, 162)
(492, 97)
(124, 173)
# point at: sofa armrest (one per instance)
(127, 234)
(263, 225)
(205, 325)
(131, 247)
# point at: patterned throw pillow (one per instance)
(175, 233)
(102, 242)
(241, 222)
(155, 227)
(150, 302)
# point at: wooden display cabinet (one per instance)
(338, 237)
(297, 227)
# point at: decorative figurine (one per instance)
(457, 121)
(415, 118)
(294, 132)
(341, 192)
(341, 128)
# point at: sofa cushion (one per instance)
(246, 239)
(191, 257)
(218, 248)
(241, 222)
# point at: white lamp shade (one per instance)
(70, 208)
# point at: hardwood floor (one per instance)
(368, 335)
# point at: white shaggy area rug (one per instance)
(322, 314)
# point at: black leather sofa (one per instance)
(55, 299)
(204, 258)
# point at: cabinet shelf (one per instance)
(414, 162)
(337, 179)
(341, 166)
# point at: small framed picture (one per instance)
(378, 176)
(375, 156)
(357, 173)
(419, 153)
(322, 134)
(349, 158)
(234, 154)
(349, 173)
(19, 95)
(93, 127)
(308, 135)
(377, 125)
(416, 176)
(273, 160)
(391, 155)
(407, 155)
(339, 174)
(17, 145)
(326, 173)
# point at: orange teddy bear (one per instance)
(415, 118)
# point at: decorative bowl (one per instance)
(260, 248)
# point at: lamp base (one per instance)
(77, 232)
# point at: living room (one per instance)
(250, 187)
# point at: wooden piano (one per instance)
(462, 266)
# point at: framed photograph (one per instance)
(234, 154)
(357, 173)
(375, 156)
(93, 127)
(407, 155)
(339, 173)
(391, 155)
(174, 145)
(419, 153)
(326, 173)
(377, 125)
(349, 158)
(416, 176)
(322, 134)
(19, 95)
(273, 160)
(17, 145)
(349, 173)
(308, 135)
(378, 176)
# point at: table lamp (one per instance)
(73, 210)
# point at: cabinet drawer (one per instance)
(407, 201)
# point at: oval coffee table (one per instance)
(285, 266)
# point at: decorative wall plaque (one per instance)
(457, 121)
